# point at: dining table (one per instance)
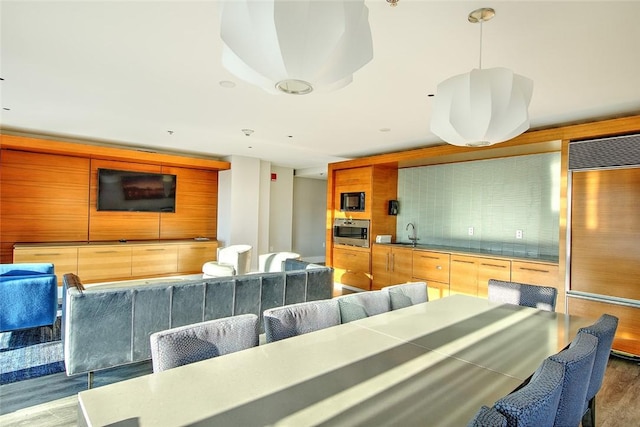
(430, 364)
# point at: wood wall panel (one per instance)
(627, 337)
(44, 198)
(605, 231)
(196, 208)
(105, 225)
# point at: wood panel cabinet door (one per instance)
(401, 266)
(431, 266)
(154, 260)
(535, 273)
(380, 265)
(64, 259)
(464, 275)
(390, 265)
(107, 262)
(352, 267)
(191, 256)
(489, 268)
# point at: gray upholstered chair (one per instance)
(272, 262)
(540, 297)
(188, 344)
(363, 304)
(578, 361)
(488, 417)
(604, 329)
(536, 403)
(407, 294)
(231, 260)
(297, 319)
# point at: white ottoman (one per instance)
(213, 269)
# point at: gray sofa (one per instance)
(104, 326)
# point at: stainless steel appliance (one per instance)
(354, 232)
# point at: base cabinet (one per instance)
(352, 267)
(470, 275)
(103, 263)
(63, 258)
(433, 268)
(391, 265)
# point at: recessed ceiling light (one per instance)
(247, 132)
(227, 84)
(170, 132)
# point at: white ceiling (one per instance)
(128, 72)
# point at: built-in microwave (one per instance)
(352, 202)
(354, 232)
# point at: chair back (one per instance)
(488, 417)
(272, 262)
(536, 403)
(407, 294)
(604, 329)
(204, 340)
(540, 297)
(297, 319)
(239, 256)
(363, 304)
(578, 361)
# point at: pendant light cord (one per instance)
(480, 59)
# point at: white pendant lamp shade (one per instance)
(482, 107)
(295, 46)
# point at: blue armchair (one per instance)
(28, 296)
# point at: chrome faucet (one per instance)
(413, 236)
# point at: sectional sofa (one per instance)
(104, 326)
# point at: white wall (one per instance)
(309, 218)
(281, 210)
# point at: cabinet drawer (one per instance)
(431, 266)
(64, 259)
(104, 263)
(535, 273)
(489, 268)
(154, 260)
(351, 260)
(192, 256)
(464, 275)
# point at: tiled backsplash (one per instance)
(495, 197)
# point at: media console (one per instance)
(107, 261)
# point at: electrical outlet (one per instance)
(518, 234)
(470, 231)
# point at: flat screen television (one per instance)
(136, 191)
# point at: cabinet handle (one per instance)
(393, 262)
(438, 267)
(106, 252)
(48, 254)
(464, 262)
(154, 250)
(200, 248)
(494, 265)
(534, 269)
(386, 268)
(429, 257)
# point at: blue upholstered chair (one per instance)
(604, 329)
(536, 403)
(540, 297)
(28, 296)
(488, 417)
(297, 319)
(204, 340)
(578, 361)
(363, 304)
(407, 294)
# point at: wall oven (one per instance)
(354, 232)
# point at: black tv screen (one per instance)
(136, 191)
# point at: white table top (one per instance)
(429, 364)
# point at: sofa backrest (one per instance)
(107, 326)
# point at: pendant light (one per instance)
(295, 47)
(482, 107)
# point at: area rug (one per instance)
(30, 353)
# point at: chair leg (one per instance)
(589, 417)
(89, 379)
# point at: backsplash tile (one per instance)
(496, 197)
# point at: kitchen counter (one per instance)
(493, 253)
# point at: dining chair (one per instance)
(604, 329)
(540, 297)
(297, 319)
(188, 344)
(231, 260)
(536, 403)
(363, 304)
(488, 417)
(406, 294)
(578, 361)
